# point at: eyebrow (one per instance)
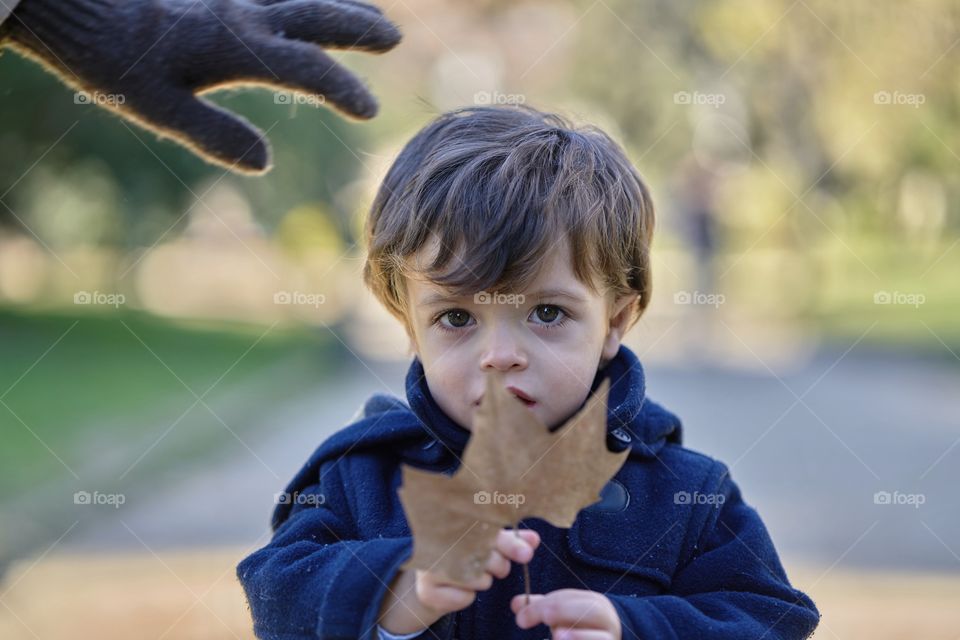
(438, 298)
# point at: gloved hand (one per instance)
(148, 60)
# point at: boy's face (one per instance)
(548, 346)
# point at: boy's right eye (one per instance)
(458, 318)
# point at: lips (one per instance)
(519, 394)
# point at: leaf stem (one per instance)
(526, 573)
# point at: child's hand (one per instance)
(446, 596)
(571, 614)
(425, 597)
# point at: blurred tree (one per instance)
(156, 180)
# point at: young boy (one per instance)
(505, 239)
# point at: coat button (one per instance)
(620, 434)
(613, 497)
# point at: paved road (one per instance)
(809, 446)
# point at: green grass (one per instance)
(71, 381)
(831, 287)
(927, 327)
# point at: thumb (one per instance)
(215, 134)
(519, 601)
(530, 536)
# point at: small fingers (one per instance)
(519, 602)
(531, 536)
(481, 583)
(573, 608)
(444, 597)
(498, 564)
(563, 633)
(517, 548)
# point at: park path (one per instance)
(809, 441)
(810, 444)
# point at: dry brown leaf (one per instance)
(513, 468)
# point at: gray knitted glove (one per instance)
(150, 58)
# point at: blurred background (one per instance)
(176, 340)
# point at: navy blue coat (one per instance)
(671, 543)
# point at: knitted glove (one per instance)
(148, 60)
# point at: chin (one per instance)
(535, 410)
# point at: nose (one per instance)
(502, 350)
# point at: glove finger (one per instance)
(215, 134)
(362, 5)
(333, 24)
(303, 67)
(356, 3)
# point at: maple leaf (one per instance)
(513, 468)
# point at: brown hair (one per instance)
(498, 186)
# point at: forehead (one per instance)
(556, 275)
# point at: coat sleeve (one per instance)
(734, 587)
(315, 579)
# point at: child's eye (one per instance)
(547, 314)
(458, 319)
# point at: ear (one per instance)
(619, 320)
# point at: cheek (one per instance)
(569, 380)
(572, 365)
(443, 357)
(448, 385)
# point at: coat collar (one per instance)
(632, 419)
(414, 432)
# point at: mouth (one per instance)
(518, 394)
